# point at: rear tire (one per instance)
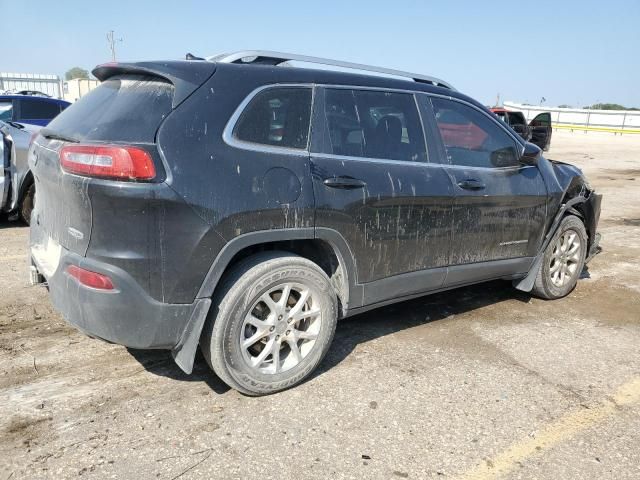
(563, 260)
(27, 203)
(257, 340)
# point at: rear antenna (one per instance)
(112, 43)
(191, 56)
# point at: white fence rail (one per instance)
(614, 121)
(49, 84)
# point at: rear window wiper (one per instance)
(46, 133)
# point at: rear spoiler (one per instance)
(186, 76)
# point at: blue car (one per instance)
(34, 110)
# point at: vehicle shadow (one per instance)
(357, 329)
(6, 223)
(585, 273)
(412, 313)
(159, 362)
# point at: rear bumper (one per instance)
(126, 315)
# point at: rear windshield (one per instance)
(516, 118)
(124, 108)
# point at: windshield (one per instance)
(6, 110)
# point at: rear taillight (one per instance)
(89, 278)
(108, 161)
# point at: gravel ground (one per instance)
(480, 382)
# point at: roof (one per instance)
(187, 75)
(38, 97)
(266, 57)
(262, 74)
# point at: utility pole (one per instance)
(112, 44)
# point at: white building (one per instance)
(76, 88)
(612, 121)
(16, 82)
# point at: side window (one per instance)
(373, 124)
(6, 110)
(516, 118)
(542, 120)
(278, 117)
(34, 109)
(346, 136)
(502, 116)
(471, 138)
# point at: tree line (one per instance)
(603, 106)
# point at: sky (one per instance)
(566, 51)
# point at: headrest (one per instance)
(391, 127)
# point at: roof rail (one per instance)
(265, 57)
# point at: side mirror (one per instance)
(531, 154)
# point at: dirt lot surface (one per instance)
(481, 382)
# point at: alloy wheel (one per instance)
(281, 328)
(565, 258)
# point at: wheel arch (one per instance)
(27, 180)
(325, 247)
(23, 184)
(568, 206)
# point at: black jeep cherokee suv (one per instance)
(244, 206)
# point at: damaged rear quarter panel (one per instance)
(148, 231)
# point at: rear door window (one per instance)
(126, 108)
(373, 124)
(6, 110)
(32, 108)
(277, 117)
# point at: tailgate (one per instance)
(127, 108)
(62, 209)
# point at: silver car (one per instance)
(17, 190)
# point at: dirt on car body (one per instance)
(459, 380)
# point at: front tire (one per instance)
(563, 260)
(271, 323)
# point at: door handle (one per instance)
(471, 184)
(344, 182)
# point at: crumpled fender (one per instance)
(526, 284)
(569, 192)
